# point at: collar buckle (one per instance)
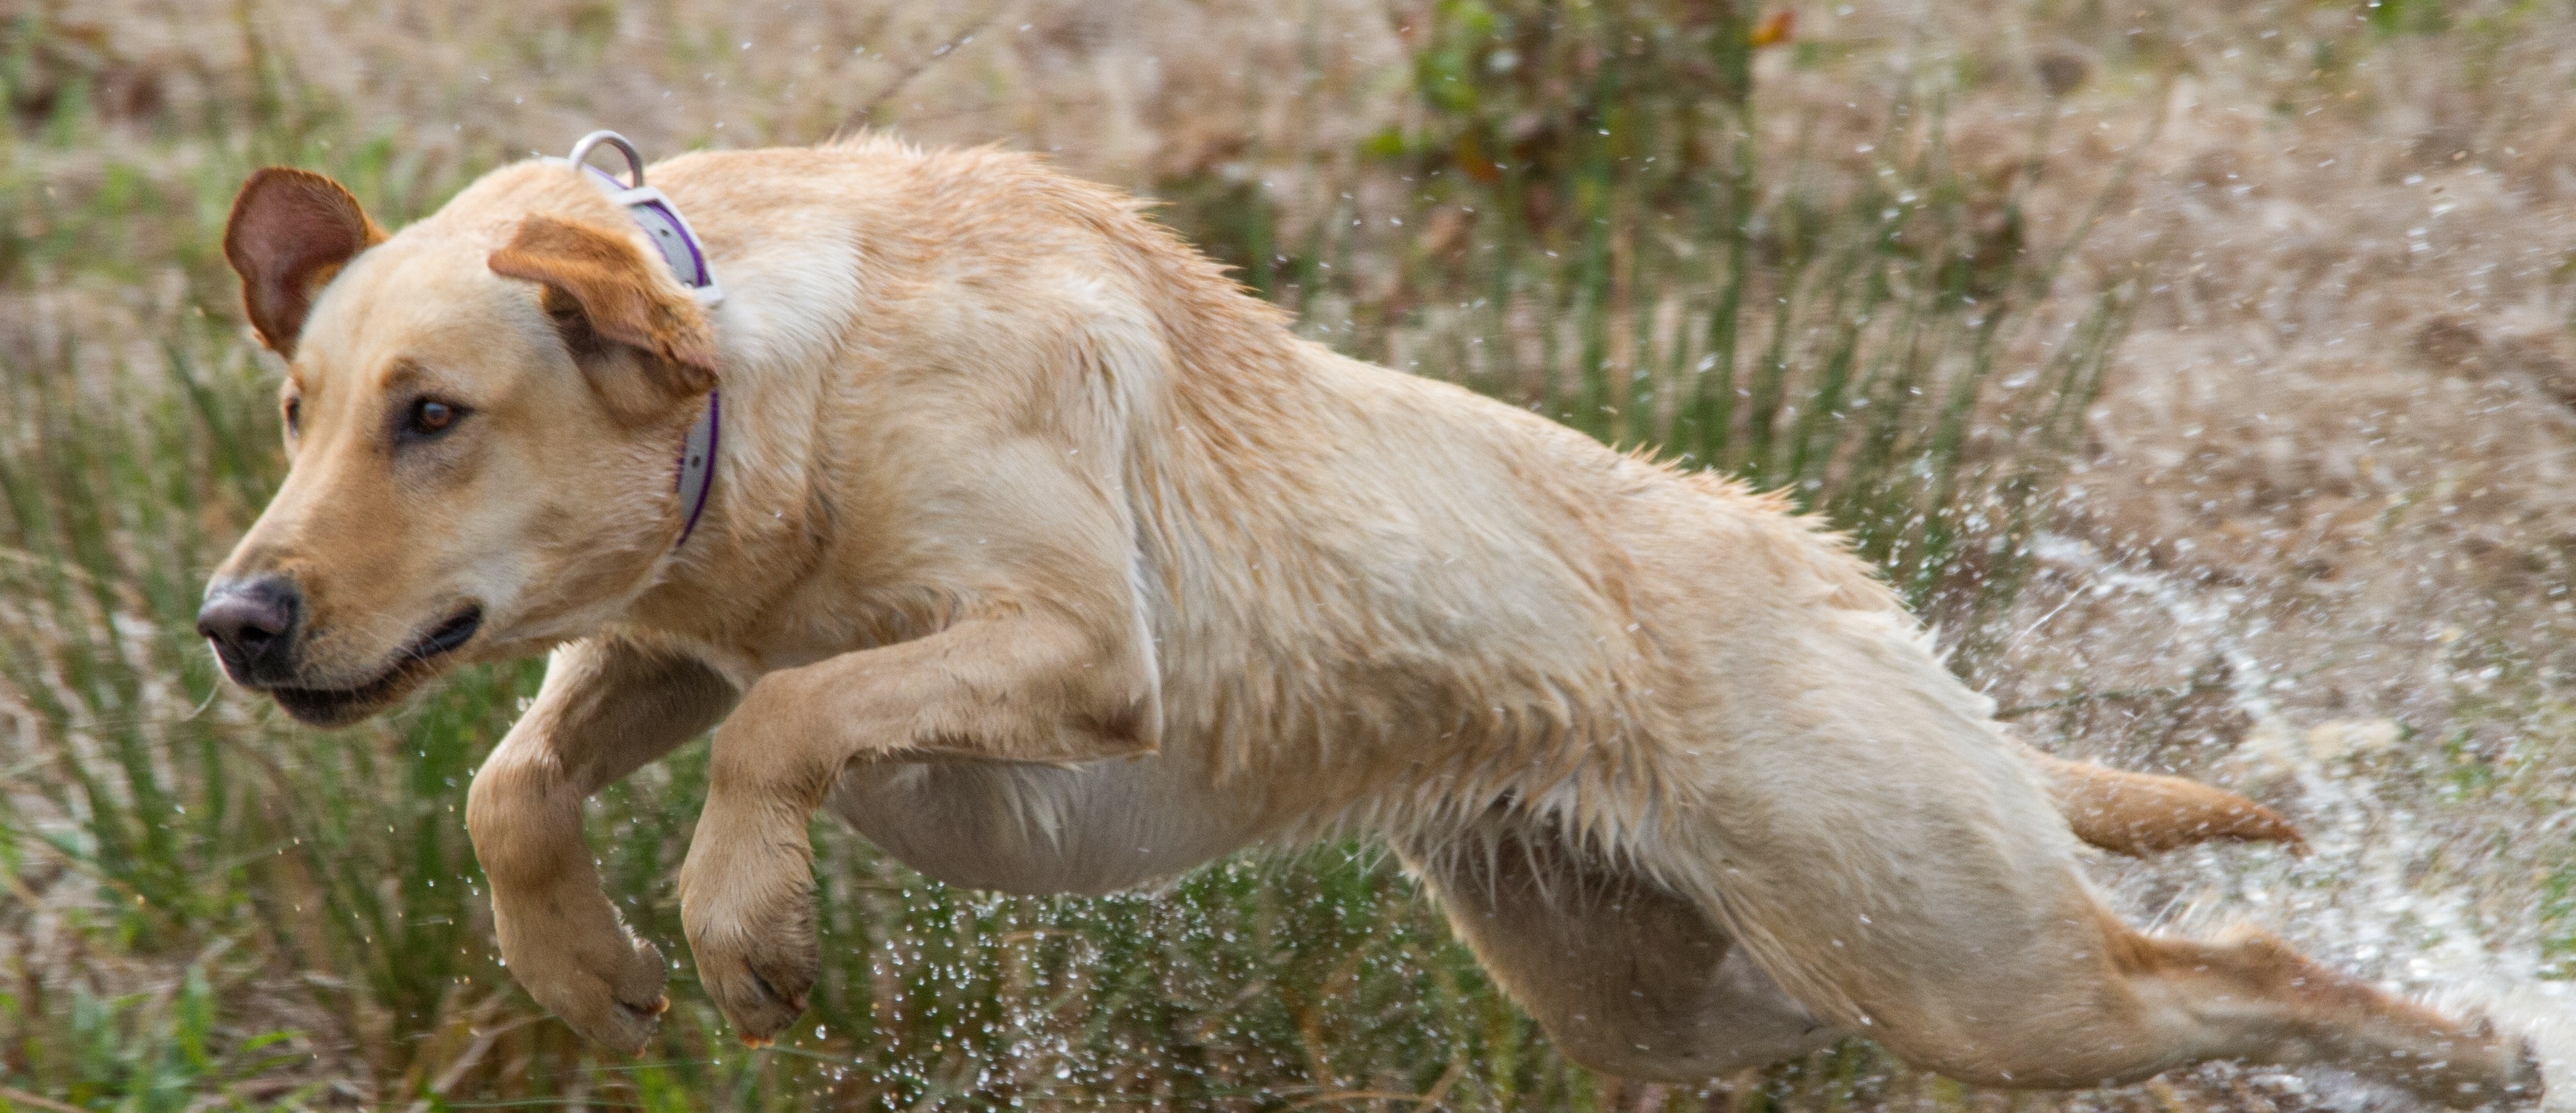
(653, 212)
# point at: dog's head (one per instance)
(482, 415)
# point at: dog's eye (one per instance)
(430, 417)
(294, 416)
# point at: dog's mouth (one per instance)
(332, 707)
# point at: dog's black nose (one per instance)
(250, 623)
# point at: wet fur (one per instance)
(1054, 562)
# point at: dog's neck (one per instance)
(724, 550)
(659, 219)
(744, 478)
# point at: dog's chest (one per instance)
(1095, 828)
(810, 640)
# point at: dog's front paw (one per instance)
(756, 951)
(606, 987)
(757, 969)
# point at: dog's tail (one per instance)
(2138, 814)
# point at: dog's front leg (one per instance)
(606, 709)
(1035, 685)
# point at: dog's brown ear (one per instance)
(600, 289)
(290, 232)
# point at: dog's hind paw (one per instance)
(2540, 1021)
(2549, 1044)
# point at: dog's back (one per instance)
(1372, 596)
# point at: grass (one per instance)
(211, 908)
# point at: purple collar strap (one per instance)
(698, 464)
(670, 235)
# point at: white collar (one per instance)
(670, 235)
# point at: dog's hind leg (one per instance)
(2020, 978)
(2157, 1003)
(1895, 864)
(1626, 976)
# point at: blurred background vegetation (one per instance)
(2202, 370)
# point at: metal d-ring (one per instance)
(634, 159)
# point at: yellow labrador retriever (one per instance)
(986, 512)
